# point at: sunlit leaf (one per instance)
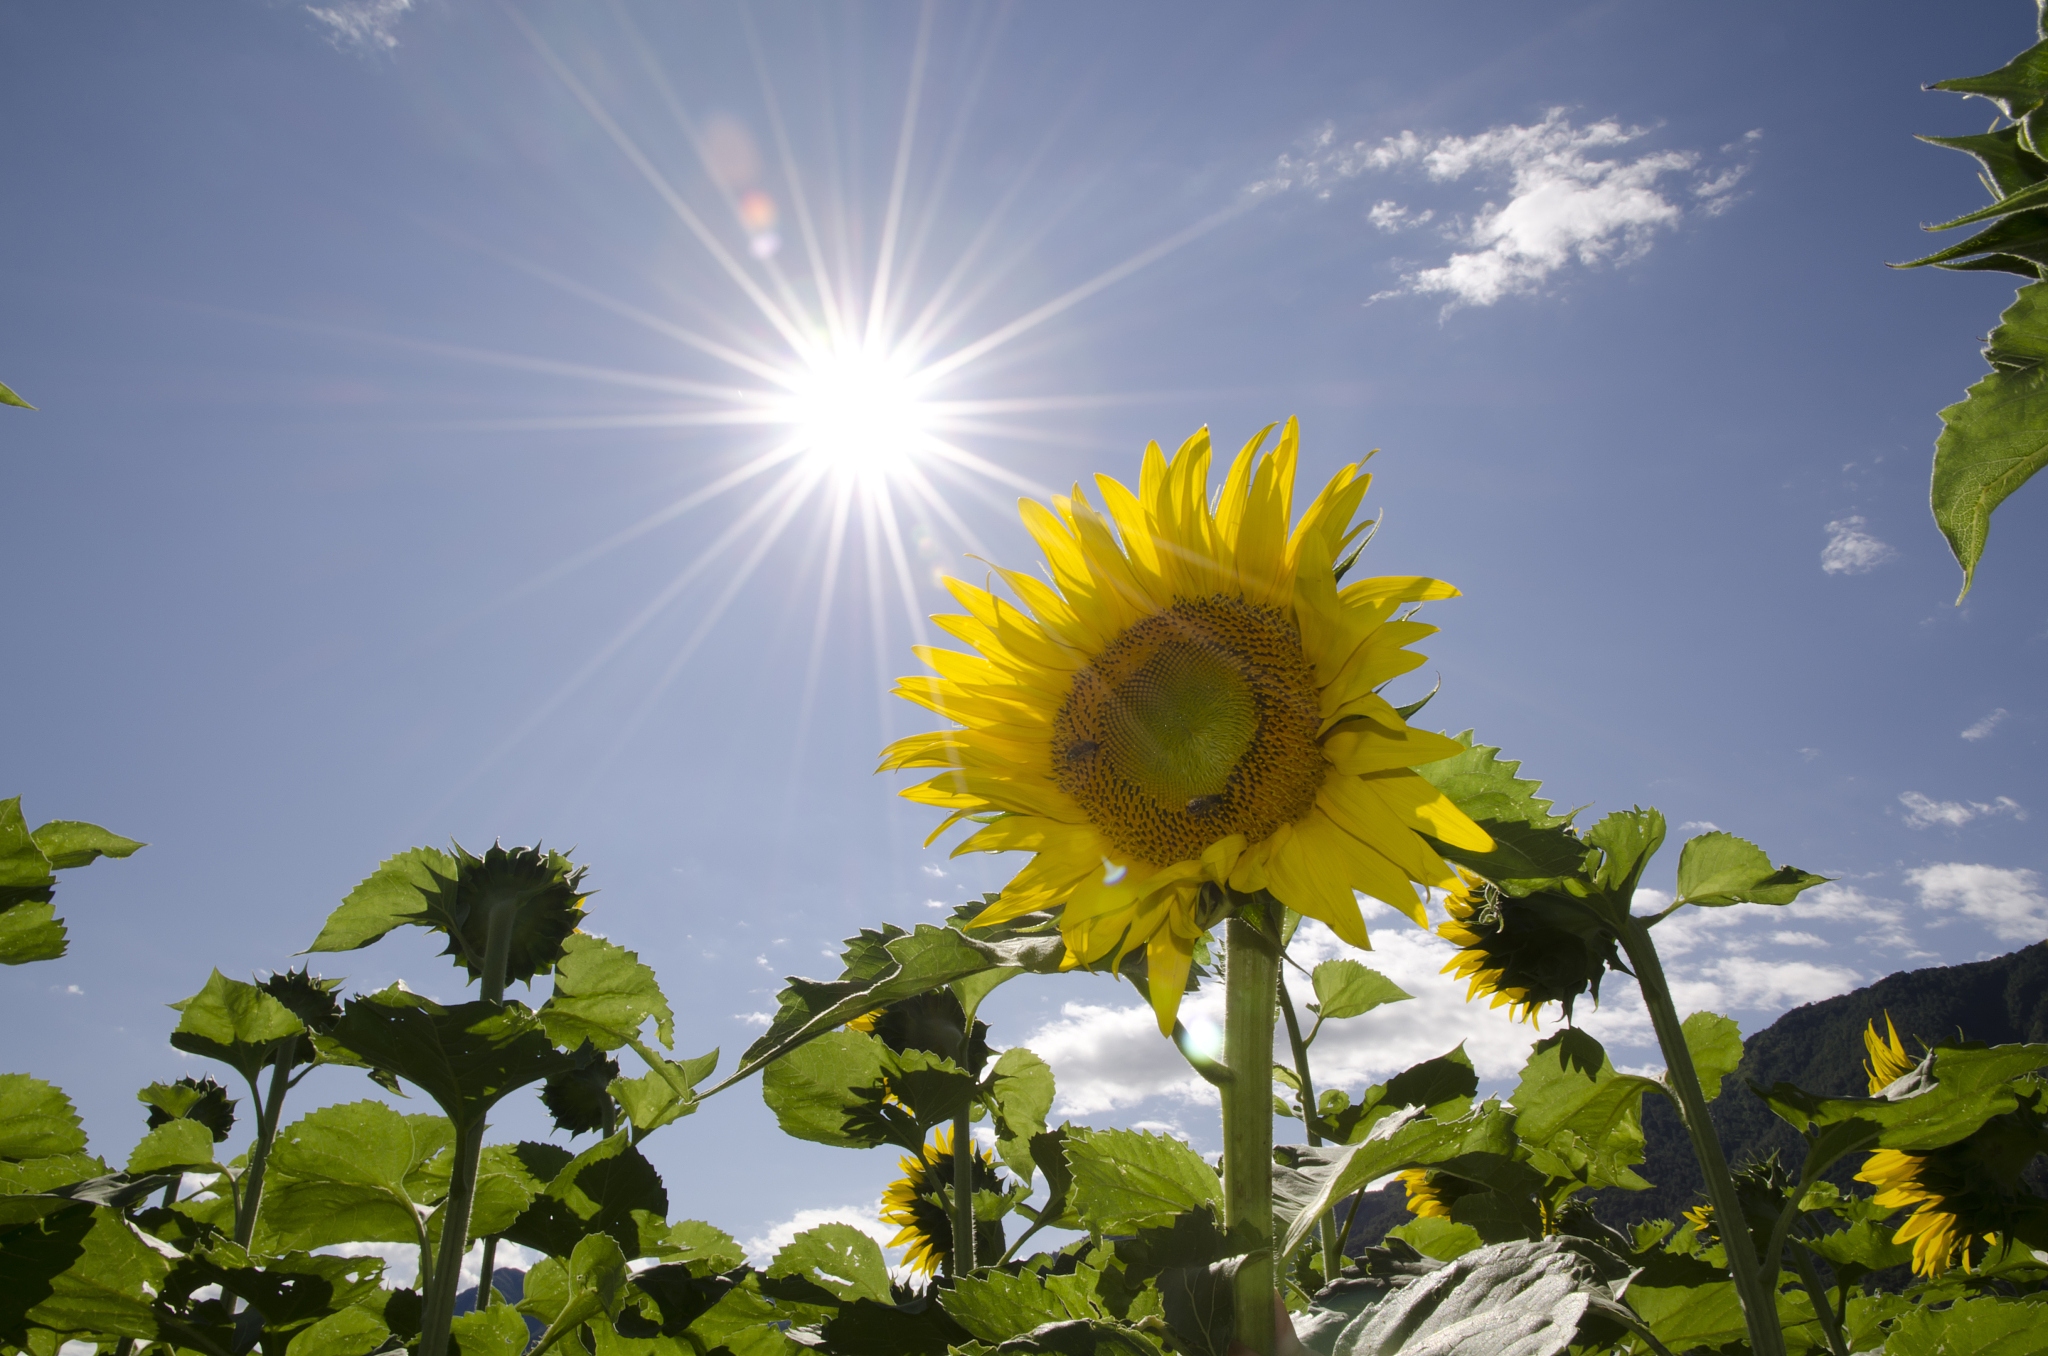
(81, 1271)
(69, 843)
(1508, 1299)
(347, 1332)
(1128, 1179)
(697, 1241)
(1956, 1089)
(833, 1090)
(838, 1258)
(36, 1119)
(1319, 1177)
(1718, 868)
(596, 1283)
(604, 995)
(1715, 1044)
(1020, 1095)
(238, 1024)
(8, 397)
(357, 1172)
(175, 1144)
(30, 931)
(653, 1099)
(1346, 988)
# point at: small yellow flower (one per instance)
(1431, 1194)
(1193, 700)
(914, 1202)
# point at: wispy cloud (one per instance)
(368, 25)
(1851, 550)
(1986, 725)
(2008, 901)
(1565, 204)
(1924, 812)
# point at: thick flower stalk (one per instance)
(1182, 726)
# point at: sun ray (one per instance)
(892, 218)
(659, 182)
(828, 303)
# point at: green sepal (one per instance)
(8, 397)
(1533, 848)
(2008, 166)
(2017, 87)
(191, 1099)
(466, 1056)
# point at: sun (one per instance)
(857, 412)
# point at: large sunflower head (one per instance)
(1525, 952)
(1193, 699)
(1965, 1195)
(1888, 1061)
(916, 1202)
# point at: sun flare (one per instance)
(857, 412)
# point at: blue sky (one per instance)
(371, 338)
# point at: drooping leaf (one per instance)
(655, 1098)
(1020, 1095)
(357, 1172)
(36, 1119)
(1346, 988)
(917, 1327)
(885, 967)
(464, 1056)
(1128, 1179)
(1717, 869)
(238, 1024)
(22, 864)
(1318, 1177)
(1996, 437)
(604, 995)
(839, 1259)
(1955, 1089)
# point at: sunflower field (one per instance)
(1178, 727)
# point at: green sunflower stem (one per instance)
(1759, 1304)
(1251, 989)
(438, 1308)
(250, 1199)
(1333, 1242)
(960, 1258)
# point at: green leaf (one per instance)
(653, 1099)
(604, 995)
(69, 843)
(349, 1332)
(1443, 1087)
(694, 1240)
(1996, 438)
(22, 864)
(80, 1271)
(1318, 1178)
(1020, 1097)
(1485, 787)
(1432, 1236)
(238, 1024)
(358, 1172)
(883, 968)
(1715, 1043)
(596, 1284)
(1346, 988)
(8, 397)
(1971, 1327)
(496, 1331)
(1718, 869)
(466, 1057)
(1509, 1299)
(609, 1188)
(2008, 165)
(506, 1187)
(2017, 87)
(175, 1144)
(838, 1258)
(1572, 1120)
(30, 931)
(832, 1090)
(36, 1119)
(996, 1306)
(931, 1087)
(1128, 1179)
(416, 887)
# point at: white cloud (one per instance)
(937, 904)
(1879, 923)
(1699, 826)
(402, 1260)
(1565, 203)
(1986, 725)
(1784, 937)
(2008, 901)
(760, 1019)
(935, 872)
(1851, 550)
(368, 25)
(1923, 812)
(866, 1218)
(1745, 982)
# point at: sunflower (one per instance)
(1192, 701)
(1963, 1195)
(1432, 1194)
(1888, 1061)
(914, 1201)
(1525, 952)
